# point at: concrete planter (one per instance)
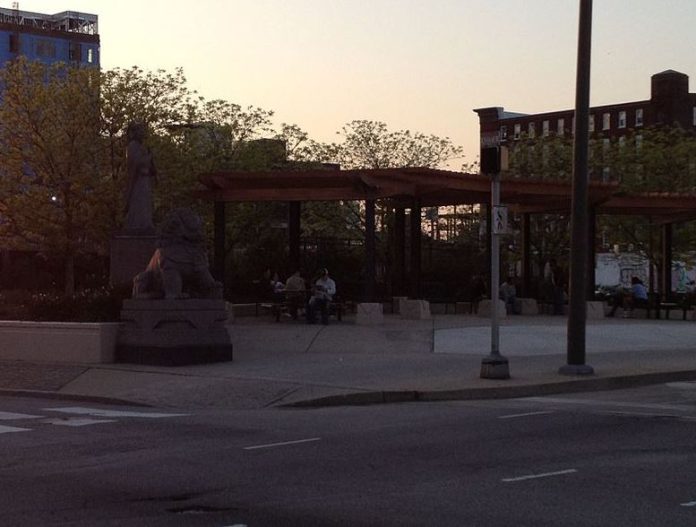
(91, 342)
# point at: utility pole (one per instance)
(577, 316)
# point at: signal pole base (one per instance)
(495, 367)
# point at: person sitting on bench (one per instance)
(637, 296)
(322, 292)
(295, 293)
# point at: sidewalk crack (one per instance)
(314, 339)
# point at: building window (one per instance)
(591, 123)
(75, 52)
(622, 141)
(90, 55)
(46, 48)
(639, 116)
(545, 128)
(622, 119)
(560, 130)
(531, 130)
(694, 117)
(503, 133)
(14, 43)
(518, 131)
(639, 142)
(606, 121)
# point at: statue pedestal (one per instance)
(173, 332)
(130, 254)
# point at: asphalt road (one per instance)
(612, 458)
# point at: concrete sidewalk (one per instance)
(291, 363)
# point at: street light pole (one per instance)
(577, 316)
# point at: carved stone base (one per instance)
(174, 332)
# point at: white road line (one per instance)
(77, 421)
(599, 402)
(7, 429)
(513, 416)
(10, 416)
(96, 412)
(535, 476)
(638, 414)
(271, 445)
(689, 504)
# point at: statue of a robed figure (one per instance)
(142, 176)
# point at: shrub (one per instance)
(89, 305)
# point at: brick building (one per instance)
(670, 102)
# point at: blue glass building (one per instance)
(69, 37)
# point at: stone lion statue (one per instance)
(179, 266)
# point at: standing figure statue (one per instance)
(141, 177)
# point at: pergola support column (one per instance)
(294, 212)
(219, 236)
(526, 258)
(415, 271)
(399, 247)
(370, 253)
(591, 251)
(666, 285)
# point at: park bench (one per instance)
(278, 309)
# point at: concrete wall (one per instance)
(58, 341)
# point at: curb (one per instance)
(498, 392)
(70, 397)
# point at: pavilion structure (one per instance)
(414, 188)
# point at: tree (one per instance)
(651, 159)
(370, 144)
(53, 193)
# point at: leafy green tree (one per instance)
(652, 159)
(370, 144)
(53, 193)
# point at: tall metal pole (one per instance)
(495, 366)
(577, 316)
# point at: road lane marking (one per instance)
(7, 429)
(599, 402)
(689, 504)
(97, 412)
(10, 416)
(536, 476)
(76, 421)
(284, 443)
(513, 416)
(638, 414)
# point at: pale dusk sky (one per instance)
(415, 64)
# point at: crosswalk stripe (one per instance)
(97, 412)
(76, 421)
(9, 416)
(7, 429)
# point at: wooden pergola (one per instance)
(414, 188)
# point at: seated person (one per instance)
(277, 288)
(295, 293)
(322, 292)
(637, 296)
(508, 293)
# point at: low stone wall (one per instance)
(415, 309)
(369, 314)
(484, 308)
(58, 341)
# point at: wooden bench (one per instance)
(277, 309)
